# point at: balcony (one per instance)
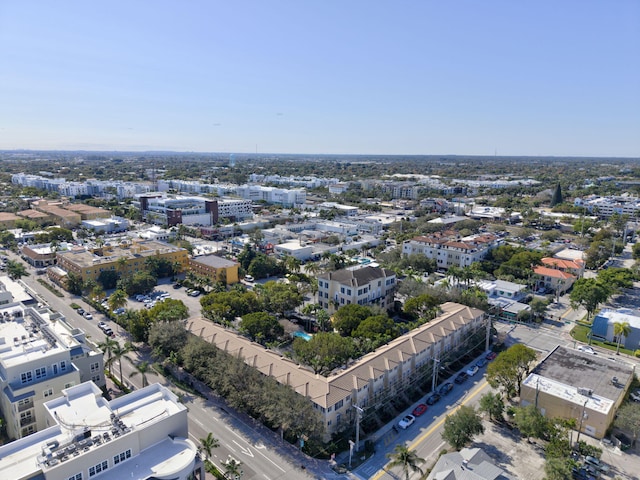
(26, 406)
(27, 421)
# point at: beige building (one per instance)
(216, 268)
(379, 375)
(142, 436)
(573, 384)
(8, 220)
(40, 355)
(125, 258)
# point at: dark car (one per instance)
(80, 311)
(445, 388)
(461, 378)
(482, 362)
(176, 286)
(433, 398)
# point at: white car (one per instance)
(88, 316)
(471, 371)
(406, 421)
(587, 349)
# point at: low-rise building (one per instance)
(142, 435)
(370, 380)
(8, 220)
(577, 385)
(107, 225)
(449, 249)
(604, 322)
(361, 285)
(216, 268)
(553, 280)
(42, 255)
(574, 267)
(40, 355)
(127, 257)
(467, 464)
(294, 249)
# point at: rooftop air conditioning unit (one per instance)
(585, 391)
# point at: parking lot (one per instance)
(165, 287)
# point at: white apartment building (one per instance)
(140, 436)
(40, 355)
(607, 206)
(451, 250)
(361, 285)
(279, 196)
(235, 209)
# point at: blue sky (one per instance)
(333, 76)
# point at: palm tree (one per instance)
(232, 468)
(621, 329)
(143, 369)
(119, 352)
(97, 293)
(209, 443)
(118, 299)
(407, 459)
(121, 264)
(292, 264)
(108, 347)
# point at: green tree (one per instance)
(379, 328)
(616, 278)
(118, 352)
(142, 369)
(556, 198)
(261, 327)
(167, 336)
(74, 283)
(557, 468)
(589, 293)
(263, 266)
(492, 404)
(277, 297)
(208, 443)
(16, 270)
(246, 257)
(531, 422)
(117, 299)
(460, 428)
(139, 282)
(232, 469)
(108, 279)
(348, 317)
(621, 329)
(108, 347)
(406, 459)
(324, 352)
(508, 370)
(628, 418)
(169, 310)
(422, 306)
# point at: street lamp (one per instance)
(582, 417)
(434, 379)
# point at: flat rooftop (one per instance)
(214, 261)
(565, 370)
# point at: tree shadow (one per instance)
(499, 457)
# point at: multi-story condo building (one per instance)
(142, 436)
(279, 196)
(449, 249)
(604, 207)
(174, 210)
(307, 181)
(372, 379)
(216, 268)
(40, 355)
(124, 258)
(361, 285)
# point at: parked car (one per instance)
(597, 463)
(461, 378)
(491, 355)
(472, 370)
(176, 286)
(80, 311)
(482, 362)
(587, 349)
(419, 410)
(102, 325)
(194, 293)
(119, 311)
(87, 315)
(433, 398)
(635, 396)
(406, 421)
(445, 388)
(248, 278)
(108, 332)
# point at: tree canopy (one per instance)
(261, 327)
(324, 352)
(507, 371)
(460, 428)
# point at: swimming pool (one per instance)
(303, 335)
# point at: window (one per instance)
(48, 393)
(348, 291)
(54, 368)
(339, 405)
(121, 457)
(98, 468)
(28, 430)
(24, 402)
(95, 379)
(26, 377)
(95, 367)
(41, 372)
(63, 366)
(69, 385)
(77, 476)
(341, 289)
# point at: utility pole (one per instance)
(359, 412)
(581, 419)
(434, 379)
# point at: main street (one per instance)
(262, 454)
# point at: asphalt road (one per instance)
(262, 454)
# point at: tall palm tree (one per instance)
(108, 347)
(143, 369)
(407, 459)
(621, 329)
(118, 299)
(119, 352)
(208, 444)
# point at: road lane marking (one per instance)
(429, 432)
(245, 450)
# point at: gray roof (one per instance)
(467, 464)
(214, 261)
(582, 369)
(359, 276)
